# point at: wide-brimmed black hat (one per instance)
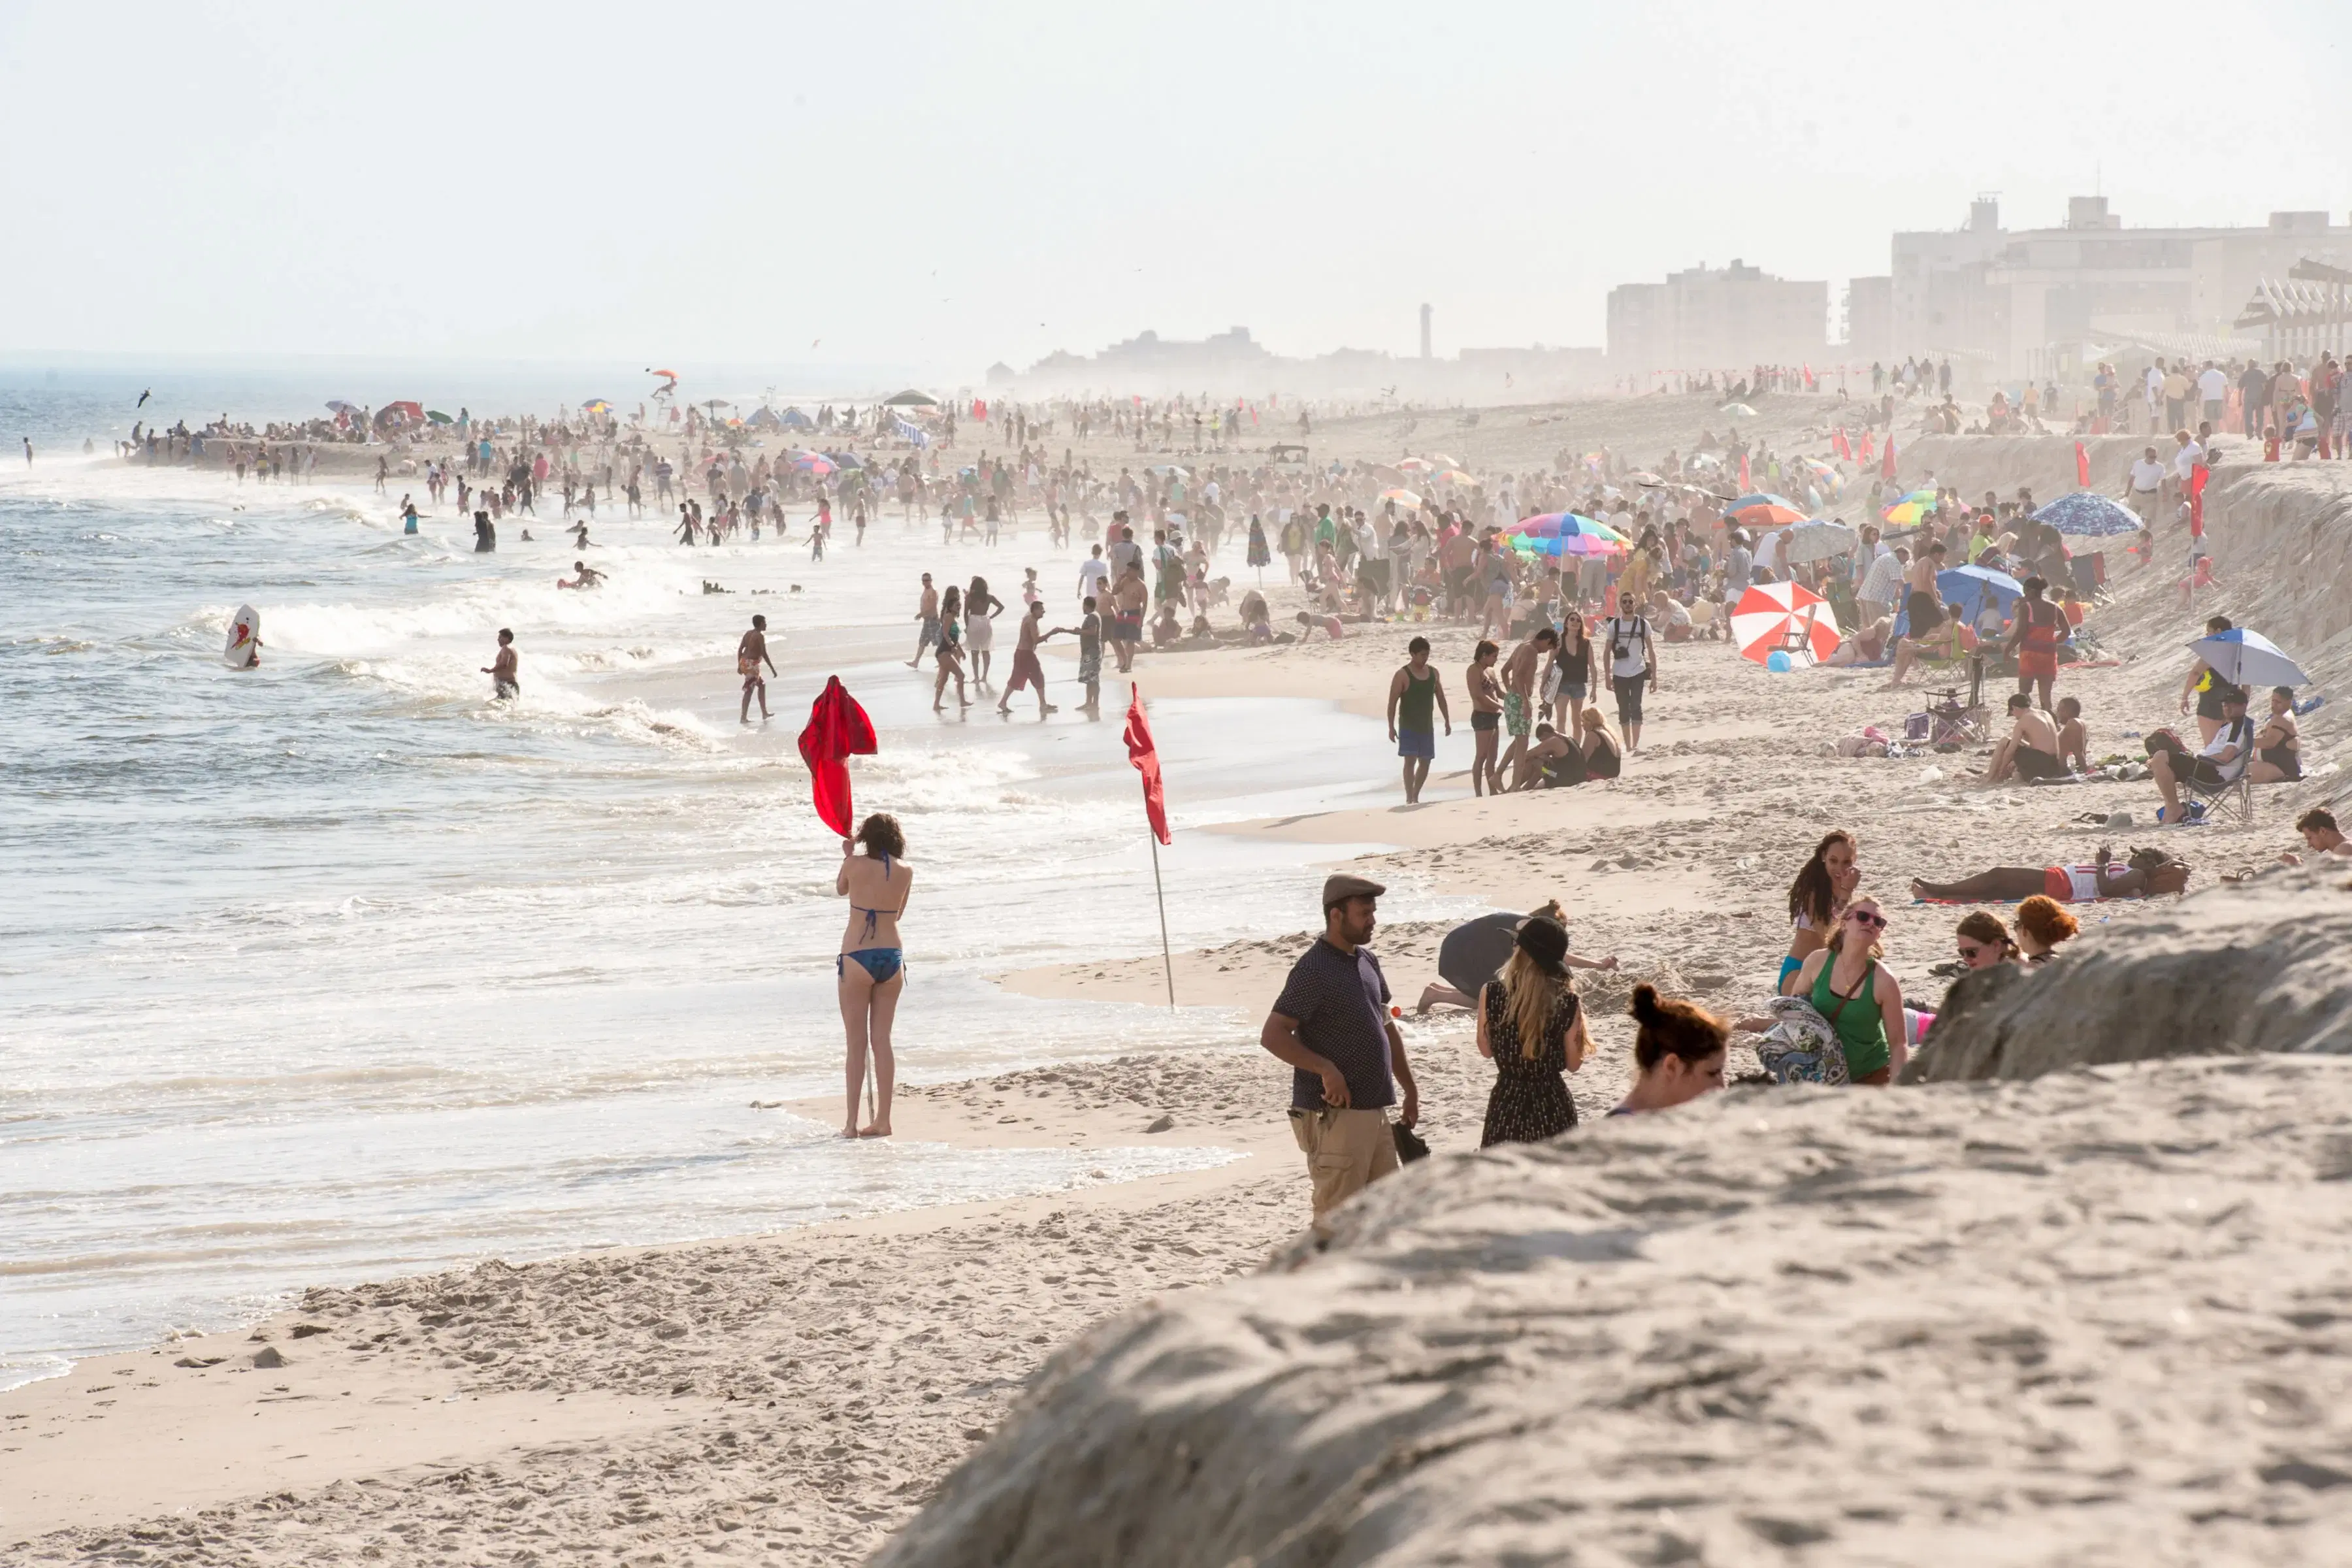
(1545, 939)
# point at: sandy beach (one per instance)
(796, 1397)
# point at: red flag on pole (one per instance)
(837, 730)
(1745, 483)
(2081, 467)
(2198, 474)
(1145, 755)
(1869, 447)
(1886, 465)
(1838, 440)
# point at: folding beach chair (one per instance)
(2235, 798)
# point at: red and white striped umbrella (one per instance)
(1784, 618)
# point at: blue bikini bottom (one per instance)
(881, 963)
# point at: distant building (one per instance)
(1728, 318)
(2051, 301)
(1869, 319)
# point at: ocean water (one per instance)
(336, 969)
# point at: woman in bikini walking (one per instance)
(870, 969)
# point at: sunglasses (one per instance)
(1970, 951)
(1876, 922)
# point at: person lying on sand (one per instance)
(2146, 873)
(1438, 993)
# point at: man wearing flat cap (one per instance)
(1331, 1024)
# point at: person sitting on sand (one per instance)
(1857, 995)
(2041, 925)
(1166, 630)
(2320, 836)
(2278, 745)
(1817, 897)
(1679, 1052)
(1603, 757)
(1552, 763)
(1532, 1027)
(2146, 873)
(1983, 941)
(2073, 737)
(2032, 749)
(1257, 621)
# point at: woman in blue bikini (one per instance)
(871, 967)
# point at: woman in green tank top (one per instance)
(1862, 1001)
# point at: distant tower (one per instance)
(1424, 332)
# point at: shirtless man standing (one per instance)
(504, 687)
(1027, 671)
(749, 655)
(928, 612)
(1486, 718)
(1127, 601)
(1519, 674)
(2031, 750)
(1923, 603)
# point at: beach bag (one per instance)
(1801, 1046)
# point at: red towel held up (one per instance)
(837, 730)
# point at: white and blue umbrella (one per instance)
(2248, 659)
(2089, 513)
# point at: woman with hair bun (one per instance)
(1679, 1049)
(2042, 924)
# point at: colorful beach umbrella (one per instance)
(1772, 514)
(1784, 618)
(1456, 476)
(1405, 498)
(1908, 511)
(1413, 465)
(436, 416)
(1820, 540)
(1738, 411)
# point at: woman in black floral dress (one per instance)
(1529, 1022)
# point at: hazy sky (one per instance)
(945, 186)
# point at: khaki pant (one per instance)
(1346, 1150)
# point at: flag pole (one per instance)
(1167, 963)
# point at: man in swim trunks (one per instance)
(2031, 750)
(1129, 597)
(927, 612)
(502, 670)
(1027, 671)
(1519, 673)
(749, 654)
(1922, 601)
(1413, 691)
(1486, 719)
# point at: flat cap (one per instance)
(1339, 889)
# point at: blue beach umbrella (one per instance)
(1968, 587)
(2249, 660)
(2087, 513)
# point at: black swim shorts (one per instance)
(1628, 689)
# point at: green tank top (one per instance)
(1860, 1027)
(1416, 706)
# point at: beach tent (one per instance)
(794, 419)
(764, 419)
